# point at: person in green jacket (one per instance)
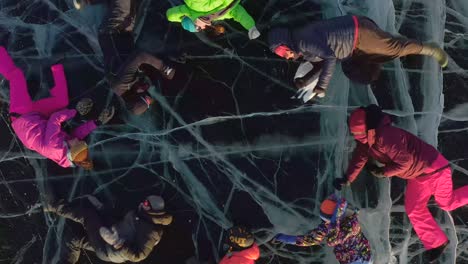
(198, 15)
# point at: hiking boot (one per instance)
(168, 72)
(106, 115)
(432, 255)
(432, 49)
(84, 106)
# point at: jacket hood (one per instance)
(207, 6)
(280, 36)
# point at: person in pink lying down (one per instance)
(38, 123)
(243, 249)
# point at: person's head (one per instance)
(364, 119)
(239, 237)
(79, 153)
(357, 125)
(333, 208)
(152, 208)
(285, 52)
(153, 203)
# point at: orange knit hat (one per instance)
(327, 209)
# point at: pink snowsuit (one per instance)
(246, 256)
(39, 123)
(427, 171)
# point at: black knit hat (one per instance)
(239, 237)
(280, 36)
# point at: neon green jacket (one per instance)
(196, 8)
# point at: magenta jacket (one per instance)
(403, 154)
(46, 136)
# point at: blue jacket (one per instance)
(328, 40)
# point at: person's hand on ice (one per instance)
(319, 91)
(254, 33)
(282, 238)
(338, 183)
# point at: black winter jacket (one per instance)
(328, 40)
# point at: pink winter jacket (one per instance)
(46, 136)
(403, 154)
(246, 256)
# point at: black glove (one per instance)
(338, 183)
(377, 171)
(300, 83)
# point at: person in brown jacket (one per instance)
(130, 239)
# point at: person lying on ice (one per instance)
(122, 61)
(131, 239)
(356, 40)
(242, 247)
(389, 151)
(341, 230)
(38, 123)
(197, 15)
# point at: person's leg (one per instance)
(418, 192)
(374, 41)
(59, 94)
(381, 46)
(126, 76)
(115, 47)
(20, 100)
(127, 73)
(447, 198)
(6, 63)
(360, 69)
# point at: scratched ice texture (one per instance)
(224, 144)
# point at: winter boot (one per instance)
(168, 72)
(106, 115)
(432, 255)
(84, 106)
(432, 49)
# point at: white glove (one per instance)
(254, 33)
(304, 95)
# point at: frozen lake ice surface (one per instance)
(224, 144)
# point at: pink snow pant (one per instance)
(418, 193)
(21, 102)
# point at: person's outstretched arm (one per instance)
(313, 238)
(240, 15)
(328, 68)
(84, 130)
(358, 161)
(54, 124)
(177, 13)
